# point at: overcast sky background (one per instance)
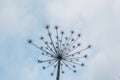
(97, 20)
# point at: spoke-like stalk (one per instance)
(78, 51)
(62, 53)
(46, 43)
(42, 49)
(58, 71)
(49, 34)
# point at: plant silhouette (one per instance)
(62, 52)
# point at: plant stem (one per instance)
(58, 71)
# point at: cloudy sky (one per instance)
(97, 20)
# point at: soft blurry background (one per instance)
(97, 20)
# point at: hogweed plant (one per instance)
(62, 52)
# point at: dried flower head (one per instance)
(61, 52)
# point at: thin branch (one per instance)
(67, 66)
(46, 43)
(42, 49)
(51, 64)
(73, 62)
(49, 34)
(42, 61)
(77, 52)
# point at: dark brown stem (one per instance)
(58, 71)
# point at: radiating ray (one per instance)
(72, 49)
(61, 40)
(68, 66)
(42, 61)
(62, 71)
(55, 67)
(57, 37)
(78, 51)
(41, 49)
(51, 64)
(46, 43)
(74, 58)
(67, 42)
(75, 41)
(73, 62)
(49, 34)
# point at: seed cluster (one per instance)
(62, 49)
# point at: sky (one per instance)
(97, 20)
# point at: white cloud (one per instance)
(69, 11)
(15, 19)
(30, 74)
(116, 9)
(96, 20)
